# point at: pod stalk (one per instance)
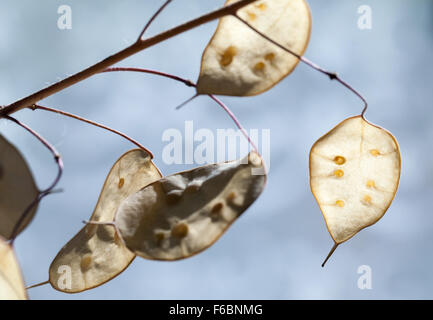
(330, 254)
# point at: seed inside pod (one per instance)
(191, 229)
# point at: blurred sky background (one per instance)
(275, 249)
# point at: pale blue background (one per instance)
(275, 250)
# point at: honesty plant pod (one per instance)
(239, 62)
(354, 169)
(183, 214)
(354, 176)
(96, 255)
(17, 189)
(11, 282)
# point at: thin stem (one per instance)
(331, 75)
(42, 194)
(121, 55)
(330, 254)
(189, 83)
(70, 115)
(235, 120)
(186, 102)
(38, 285)
(156, 14)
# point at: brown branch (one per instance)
(71, 115)
(331, 75)
(121, 55)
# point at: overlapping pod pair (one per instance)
(354, 176)
(168, 218)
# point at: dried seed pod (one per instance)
(239, 62)
(96, 254)
(17, 189)
(11, 281)
(354, 176)
(155, 228)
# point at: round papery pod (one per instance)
(17, 189)
(96, 255)
(354, 176)
(11, 281)
(239, 62)
(183, 214)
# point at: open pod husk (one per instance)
(354, 176)
(181, 215)
(239, 62)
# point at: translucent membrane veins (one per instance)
(354, 175)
